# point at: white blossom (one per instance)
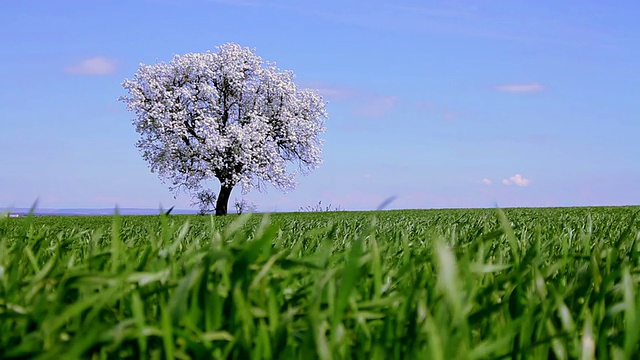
(226, 115)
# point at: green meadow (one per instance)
(554, 283)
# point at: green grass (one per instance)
(435, 284)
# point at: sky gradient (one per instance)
(438, 103)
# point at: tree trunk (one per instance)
(223, 200)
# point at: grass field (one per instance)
(433, 284)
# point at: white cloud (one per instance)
(335, 93)
(425, 105)
(376, 106)
(486, 181)
(517, 180)
(362, 102)
(450, 116)
(97, 65)
(520, 88)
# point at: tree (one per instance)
(225, 115)
(242, 206)
(205, 200)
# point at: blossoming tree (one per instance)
(225, 115)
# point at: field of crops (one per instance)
(432, 284)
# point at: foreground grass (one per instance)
(445, 284)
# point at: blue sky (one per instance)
(438, 103)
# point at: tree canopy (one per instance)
(225, 115)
